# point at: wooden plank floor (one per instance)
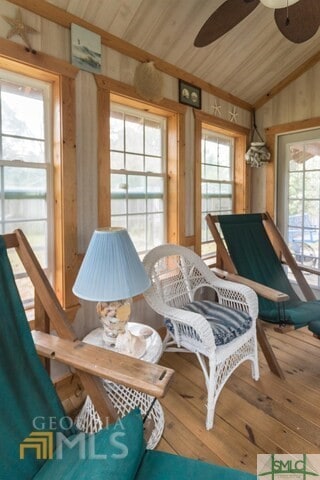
(268, 416)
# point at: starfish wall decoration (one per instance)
(233, 115)
(216, 109)
(20, 29)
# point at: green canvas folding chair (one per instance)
(253, 251)
(37, 440)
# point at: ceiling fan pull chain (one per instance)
(287, 19)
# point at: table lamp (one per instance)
(111, 274)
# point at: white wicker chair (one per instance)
(177, 274)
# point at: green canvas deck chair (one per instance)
(37, 440)
(254, 252)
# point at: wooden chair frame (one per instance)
(91, 363)
(227, 269)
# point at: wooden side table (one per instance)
(125, 399)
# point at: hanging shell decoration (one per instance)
(257, 155)
(148, 82)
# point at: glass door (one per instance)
(298, 195)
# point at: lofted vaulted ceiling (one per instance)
(246, 62)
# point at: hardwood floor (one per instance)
(268, 416)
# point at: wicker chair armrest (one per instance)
(237, 296)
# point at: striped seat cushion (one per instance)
(226, 323)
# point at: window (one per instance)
(216, 181)
(25, 168)
(222, 178)
(298, 196)
(138, 175)
(158, 164)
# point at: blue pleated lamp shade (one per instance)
(111, 269)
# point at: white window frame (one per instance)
(205, 133)
(127, 110)
(16, 78)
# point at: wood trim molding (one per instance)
(189, 241)
(242, 176)
(242, 173)
(104, 190)
(287, 80)
(111, 90)
(64, 18)
(65, 192)
(221, 125)
(128, 93)
(271, 174)
(197, 181)
(176, 179)
(11, 50)
(305, 124)
(271, 139)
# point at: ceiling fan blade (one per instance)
(227, 16)
(299, 22)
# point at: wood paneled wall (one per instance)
(298, 102)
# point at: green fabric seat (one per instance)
(127, 459)
(27, 395)
(254, 257)
(300, 315)
(314, 327)
(114, 452)
(29, 404)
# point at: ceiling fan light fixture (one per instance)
(278, 3)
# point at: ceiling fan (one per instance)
(297, 20)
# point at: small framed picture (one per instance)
(189, 94)
(85, 49)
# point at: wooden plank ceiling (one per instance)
(247, 61)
